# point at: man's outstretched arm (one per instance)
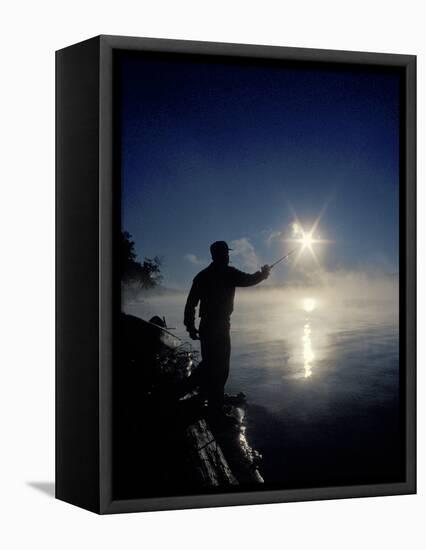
(190, 306)
(250, 279)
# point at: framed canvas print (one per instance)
(235, 274)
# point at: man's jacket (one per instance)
(214, 289)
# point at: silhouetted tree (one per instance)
(134, 273)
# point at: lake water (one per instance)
(321, 373)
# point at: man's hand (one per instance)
(266, 270)
(193, 334)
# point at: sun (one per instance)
(306, 238)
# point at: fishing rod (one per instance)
(283, 258)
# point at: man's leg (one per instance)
(216, 350)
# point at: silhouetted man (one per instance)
(214, 289)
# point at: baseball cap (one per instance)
(219, 246)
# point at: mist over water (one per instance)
(320, 368)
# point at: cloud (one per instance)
(272, 235)
(244, 251)
(296, 230)
(194, 260)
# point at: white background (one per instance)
(30, 31)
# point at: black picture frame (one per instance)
(85, 215)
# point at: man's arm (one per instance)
(250, 279)
(191, 304)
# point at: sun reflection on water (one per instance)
(309, 304)
(308, 354)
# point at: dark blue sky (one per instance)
(215, 151)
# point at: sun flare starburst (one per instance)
(307, 239)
